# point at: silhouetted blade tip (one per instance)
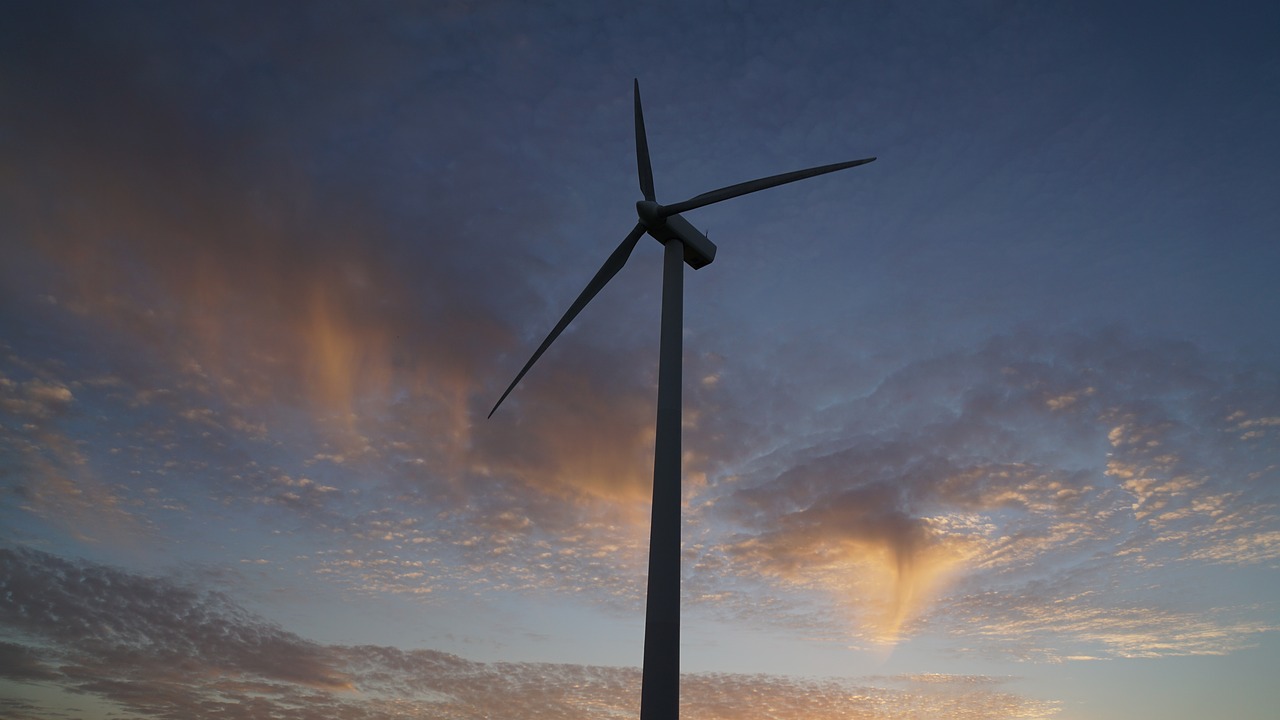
(643, 165)
(751, 186)
(606, 272)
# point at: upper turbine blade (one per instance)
(602, 276)
(751, 186)
(642, 150)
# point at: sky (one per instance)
(988, 428)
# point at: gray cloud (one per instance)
(166, 650)
(163, 630)
(18, 662)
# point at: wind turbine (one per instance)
(660, 685)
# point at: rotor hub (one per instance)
(650, 214)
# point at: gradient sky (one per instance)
(989, 428)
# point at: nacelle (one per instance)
(699, 251)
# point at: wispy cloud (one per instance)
(959, 483)
(980, 473)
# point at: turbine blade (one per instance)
(642, 150)
(602, 276)
(751, 186)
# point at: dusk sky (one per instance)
(988, 428)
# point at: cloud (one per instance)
(51, 475)
(99, 616)
(292, 241)
(964, 479)
(1100, 610)
(165, 650)
(18, 662)
(858, 545)
(246, 261)
(34, 399)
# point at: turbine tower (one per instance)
(660, 686)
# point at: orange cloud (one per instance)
(882, 564)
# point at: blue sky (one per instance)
(987, 428)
